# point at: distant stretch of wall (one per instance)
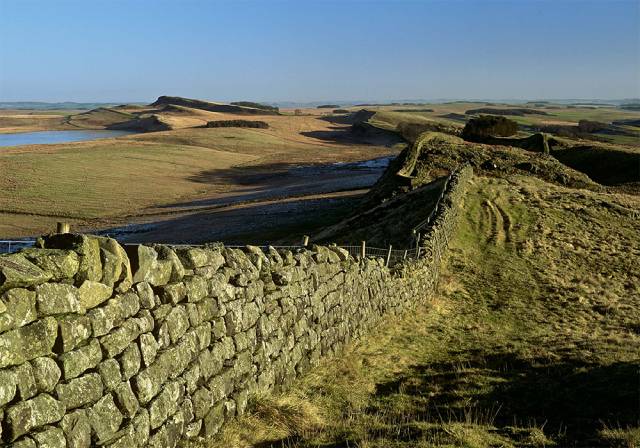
(143, 345)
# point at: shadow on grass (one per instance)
(571, 399)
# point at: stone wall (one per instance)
(143, 345)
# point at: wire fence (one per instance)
(390, 255)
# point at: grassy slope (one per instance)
(532, 340)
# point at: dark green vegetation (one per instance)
(478, 129)
(328, 106)
(237, 124)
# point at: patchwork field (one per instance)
(532, 340)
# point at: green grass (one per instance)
(532, 340)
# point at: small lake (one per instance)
(51, 137)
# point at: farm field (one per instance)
(531, 340)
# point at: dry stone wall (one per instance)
(144, 345)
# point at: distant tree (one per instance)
(589, 126)
(297, 112)
(328, 106)
(485, 126)
(237, 124)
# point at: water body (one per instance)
(51, 137)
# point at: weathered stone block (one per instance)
(111, 268)
(161, 334)
(57, 298)
(172, 293)
(80, 391)
(147, 297)
(113, 313)
(73, 331)
(80, 360)
(209, 363)
(343, 255)
(17, 308)
(148, 348)
(170, 363)
(203, 333)
(28, 342)
(195, 257)
(16, 272)
(25, 381)
(126, 400)
(50, 437)
(61, 264)
(28, 415)
(86, 247)
(202, 402)
(110, 373)
(8, 386)
(111, 274)
(177, 323)
(93, 294)
(125, 438)
(282, 277)
(141, 427)
(105, 418)
(221, 385)
(241, 398)
(214, 420)
(196, 288)
(165, 404)
(191, 378)
(144, 321)
(166, 253)
(192, 430)
(77, 429)
(146, 266)
(186, 408)
(25, 442)
(46, 374)
(115, 342)
(218, 328)
(130, 361)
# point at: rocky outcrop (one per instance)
(211, 107)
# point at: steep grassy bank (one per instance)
(532, 341)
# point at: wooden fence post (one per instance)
(305, 240)
(389, 255)
(405, 255)
(363, 250)
(62, 227)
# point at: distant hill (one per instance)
(210, 106)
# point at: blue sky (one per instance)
(136, 50)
